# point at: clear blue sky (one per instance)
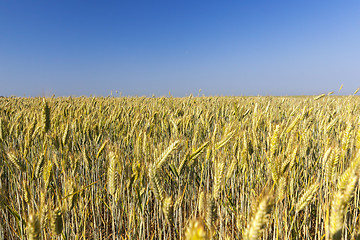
(243, 47)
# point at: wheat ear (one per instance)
(307, 197)
(34, 227)
(253, 231)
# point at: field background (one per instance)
(179, 168)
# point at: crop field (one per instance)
(180, 168)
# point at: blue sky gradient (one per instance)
(156, 47)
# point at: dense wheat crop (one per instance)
(180, 168)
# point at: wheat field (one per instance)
(180, 168)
